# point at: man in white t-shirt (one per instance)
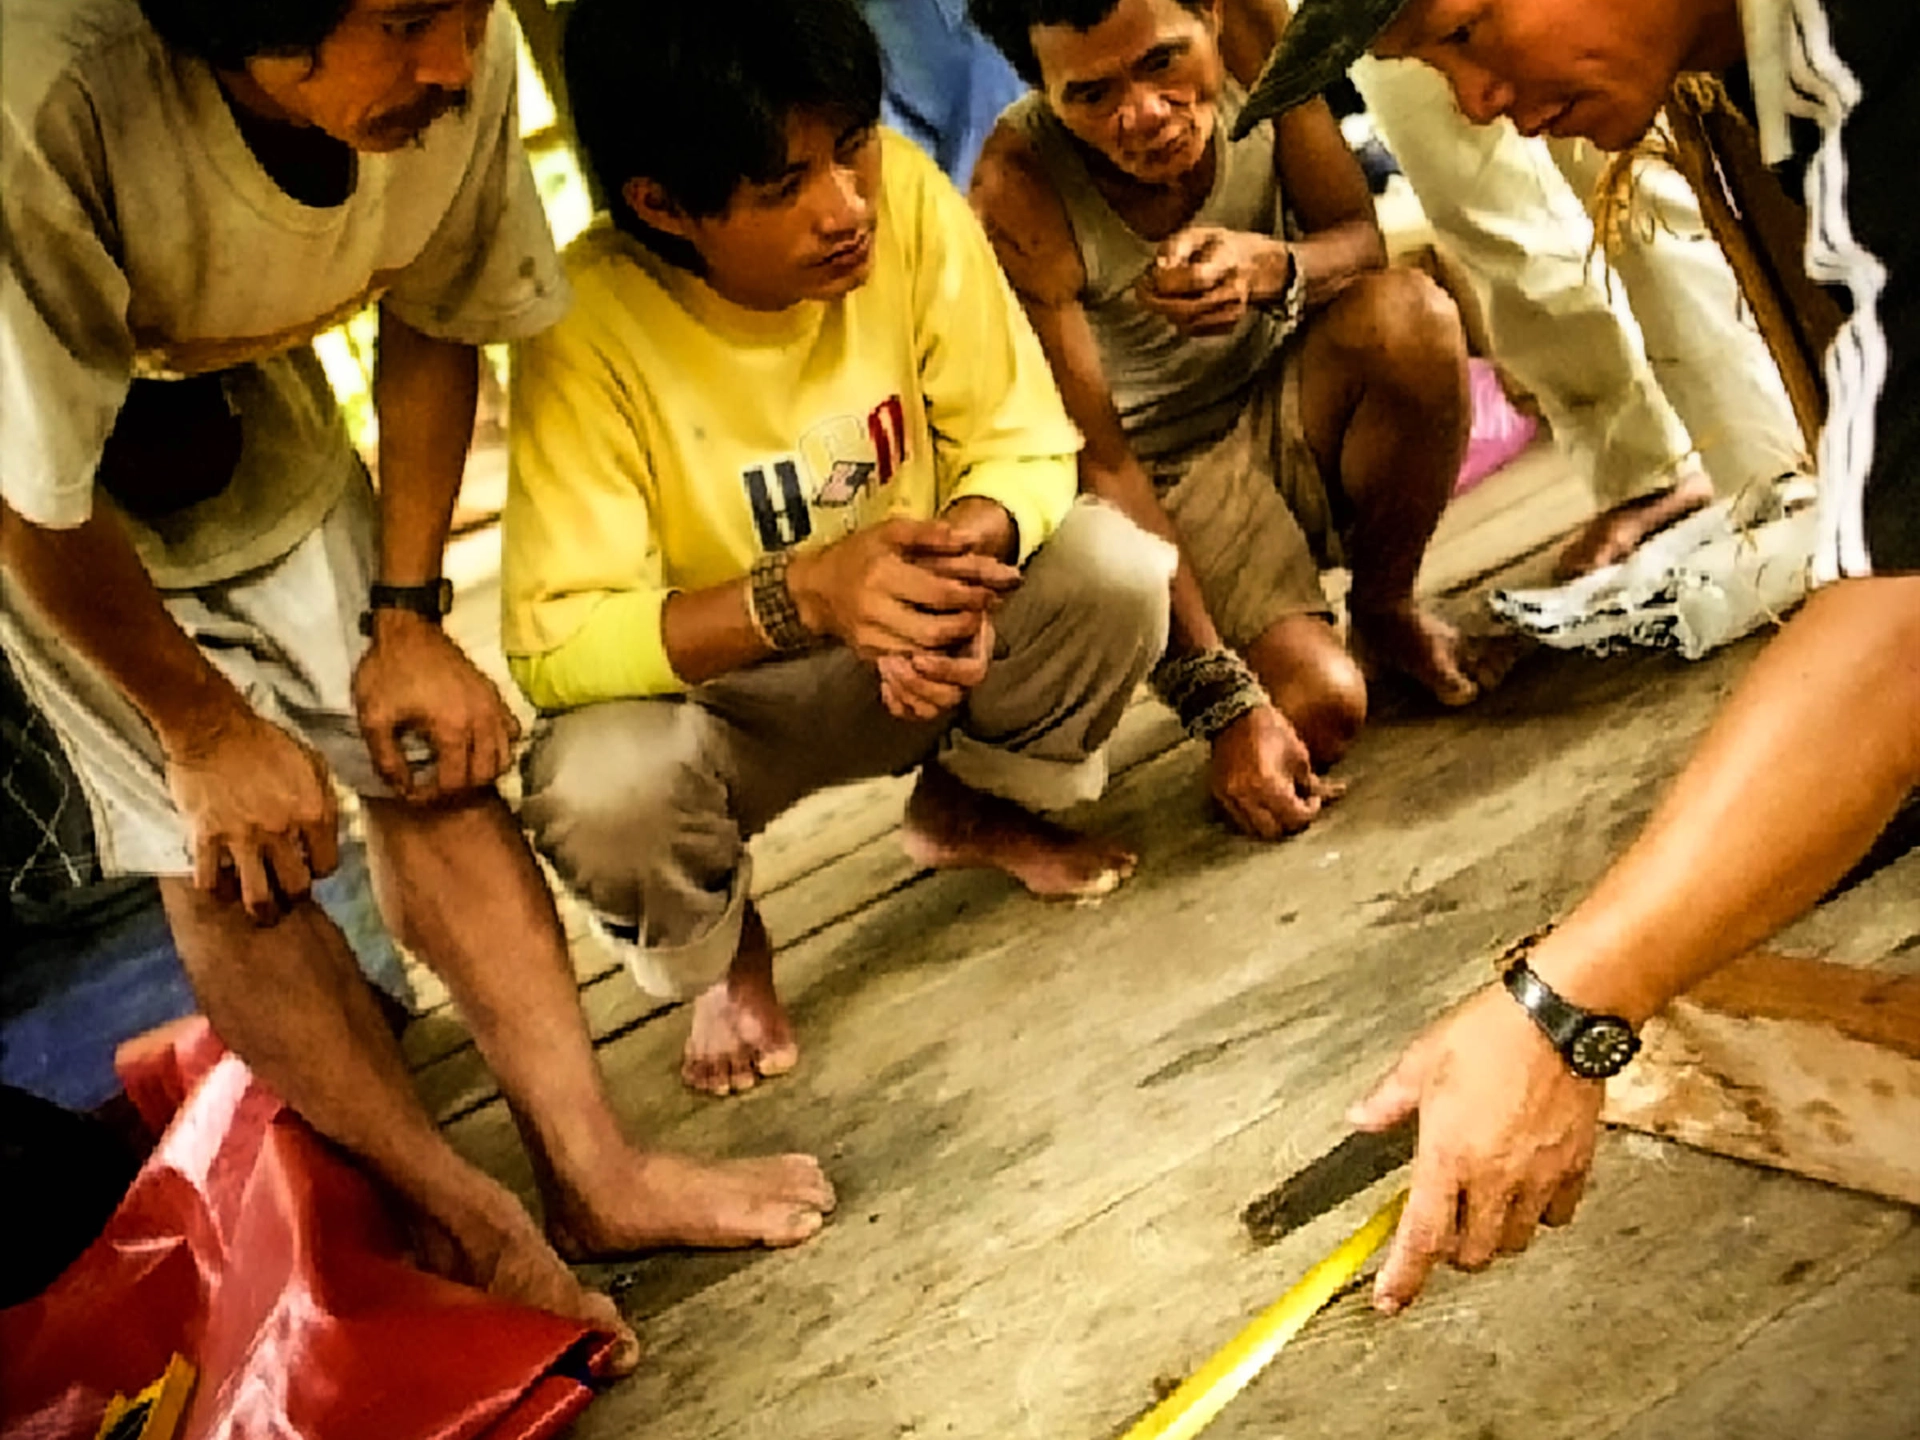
(190, 190)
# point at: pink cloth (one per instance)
(1499, 431)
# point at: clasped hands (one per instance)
(916, 597)
(1206, 279)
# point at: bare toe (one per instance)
(653, 1200)
(777, 1061)
(510, 1259)
(951, 827)
(740, 1035)
(1422, 647)
(602, 1314)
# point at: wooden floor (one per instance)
(1044, 1120)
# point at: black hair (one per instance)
(1009, 24)
(228, 33)
(695, 94)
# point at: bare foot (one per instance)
(655, 1201)
(949, 827)
(1454, 668)
(740, 1029)
(740, 1033)
(506, 1255)
(1614, 534)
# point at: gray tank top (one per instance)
(1173, 391)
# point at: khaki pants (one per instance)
(1628, 392)
(645, 806)
(1253, 512)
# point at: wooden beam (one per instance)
(1801, 1065)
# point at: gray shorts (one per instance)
(287, 635)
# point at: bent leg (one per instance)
(645, 806)
(462, 889)
(1383, 396)
(1073, 644)
(289, 1001)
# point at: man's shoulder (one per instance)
(609, 272)
(50, 41)
(621, 315)
(1020, 202)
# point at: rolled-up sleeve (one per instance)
(582, 577)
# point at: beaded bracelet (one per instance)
(770, 607)
(1208, 690)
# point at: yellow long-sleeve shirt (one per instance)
(662, 437)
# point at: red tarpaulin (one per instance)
(250, 1246)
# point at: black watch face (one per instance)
(1603, 1047)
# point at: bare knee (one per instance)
(1326, 703)
(1314, 682)
(1401, 328)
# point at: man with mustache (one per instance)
(1272, 398)
(220, 620)
(792, 504)
(1821, 743)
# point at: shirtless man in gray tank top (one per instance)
(1270, 396)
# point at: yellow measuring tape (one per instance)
(1205, 1393)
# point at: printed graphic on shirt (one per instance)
(838, 461)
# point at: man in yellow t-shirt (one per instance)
(792, 504)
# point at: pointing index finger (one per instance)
(1425, 1236)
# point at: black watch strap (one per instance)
(432, 600)
(1594, 1046)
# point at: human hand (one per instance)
(1263, 776)
(415, 681)
(926, 686)
(984, 526)
(1206, 279)
(901, 587)
(1507, 1135)
(259, 812)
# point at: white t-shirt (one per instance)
(139, 237)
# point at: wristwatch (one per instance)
(1594, 1046)
(432, 601)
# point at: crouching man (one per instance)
(1263, 392)
(793, 504)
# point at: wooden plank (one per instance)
(1856, 1004)
(1842, 1364)
(1797, 1064)
(823, 861)
(985, 1076)
(1514, 514)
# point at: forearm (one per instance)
(1332, 259)
(1124, 484)
(639, 643)
(710, 632)
(90, 585)
(1803, 769)
(424, 393)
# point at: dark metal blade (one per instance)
(1332, 1180)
